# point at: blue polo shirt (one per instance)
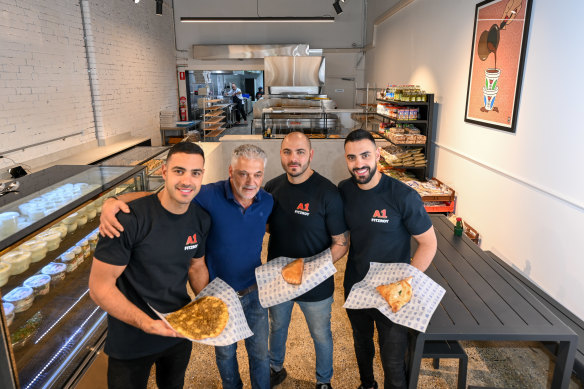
(234, 244)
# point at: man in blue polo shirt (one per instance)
(239, 211)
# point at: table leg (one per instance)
(416, 361)
(564, 364)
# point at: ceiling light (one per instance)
(266, 19)
(337, 7)
(159, 7)
(136, 1)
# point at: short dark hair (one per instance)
(260, 87)
(186, 148)
(357, 135)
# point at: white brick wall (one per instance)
(136, 65)
(44, 84)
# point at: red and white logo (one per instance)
(380, 216)
(303, 209)
(191, 242)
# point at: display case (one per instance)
(150, 157)
(51, 329)
(317, 123)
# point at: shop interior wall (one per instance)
(522, 191)
(346, 33)
(44, 85)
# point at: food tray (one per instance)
(448, 206)
(449, 198)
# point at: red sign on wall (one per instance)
(181, 75)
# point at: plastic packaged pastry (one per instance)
(71, 222)
(56, 271)
(4, 272)
(21, 297)
(8, 312)
(93, 238)
(84, 244)
(40, 284)
(68, 258)
(36, 247)
(19, 261)
(53, 239)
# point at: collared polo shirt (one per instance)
(234, 243)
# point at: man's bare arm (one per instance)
(340, 245)
(105, 293)
(426, 250)
(198, 274)
(108, 223)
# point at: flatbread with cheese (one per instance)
(292, 272)
(397, 294)
(200, 319)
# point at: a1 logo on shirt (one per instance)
(191, 242)
(380, 216)
(303, 209)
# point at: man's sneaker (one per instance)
(277, 377)
(374, 386)
(323, 386)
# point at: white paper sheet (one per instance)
(274, 290)
(236, 328)
(417, 313)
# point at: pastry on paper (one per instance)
(201, 319)
(292, 272)
(397, 294)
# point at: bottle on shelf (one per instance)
(458, 227)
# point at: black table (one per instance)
(484, 302)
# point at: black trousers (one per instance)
(171, 365)
(393, 344)
(239, 110)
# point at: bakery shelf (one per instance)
(404, 103)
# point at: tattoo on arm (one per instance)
(341, 239)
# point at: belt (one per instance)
(247, 290)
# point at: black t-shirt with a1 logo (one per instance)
(304, 218)
(381, 222)
(156, 247)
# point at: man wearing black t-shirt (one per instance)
(162, 246)
(383, 215)
(307, 218)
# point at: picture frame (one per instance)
(496, 63)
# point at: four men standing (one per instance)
(306, 219)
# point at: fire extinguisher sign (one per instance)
(181, 75)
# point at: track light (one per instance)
(337, 7)
(159, 7)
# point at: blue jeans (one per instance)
(256, 346)
(318, 318)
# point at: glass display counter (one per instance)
(50, 327)
(151, 157)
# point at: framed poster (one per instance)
(496, 63)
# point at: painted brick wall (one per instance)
(136, 65)
(44, 86)
(44, 83)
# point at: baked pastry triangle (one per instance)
(292, 272)
(397, 294)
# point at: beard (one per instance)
(299, 172)
(364, 179)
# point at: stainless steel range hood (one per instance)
(248, 51)
(294, 75)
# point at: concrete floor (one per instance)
(491, 364)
